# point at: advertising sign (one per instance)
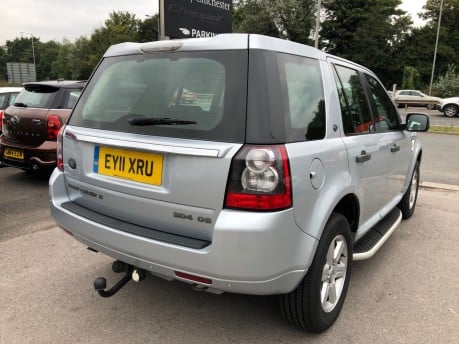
(197, 18)
(19, 72)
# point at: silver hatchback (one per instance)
(288, 164)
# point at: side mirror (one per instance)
(417, 122)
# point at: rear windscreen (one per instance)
(197, 95)
(36, 96)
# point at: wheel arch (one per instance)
(349, 207)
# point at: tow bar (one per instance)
(100, 283)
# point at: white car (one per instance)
(7, 97)
(415, 98)
(450, 106)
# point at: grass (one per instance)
(444, 129)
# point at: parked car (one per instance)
(31, 124)
(415, 98)
(298, 165)
(449, 106)
(186, 96)
(7, 97)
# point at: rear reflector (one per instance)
(194, 278)
(60, 149)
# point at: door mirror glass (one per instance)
(417, 122)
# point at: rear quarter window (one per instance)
(305, 98)
(286, 100)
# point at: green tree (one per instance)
(410, 78)
(3, 60)
(447, 85)
(119, 27)
(83, 59)
(294, 18)
(45, 55)
(368, 32)
(60, 67)
(252, 16)
(289, 19)
(148, 29)
(20, 50)
(418, 48)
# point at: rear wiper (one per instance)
(20, 104)
(157, 121)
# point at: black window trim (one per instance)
(368, 95)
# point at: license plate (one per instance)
(13, 153)
(138, 166)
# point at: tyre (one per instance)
(317, 301)
(408, 202)
(451, 110)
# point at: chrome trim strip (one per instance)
(130, 144)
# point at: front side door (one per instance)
(397, 141)
(367, 150)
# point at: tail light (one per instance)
(60, 150)
(54, 125)
(259, 179)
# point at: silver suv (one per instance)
(288, 165)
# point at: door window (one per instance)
(386, 117)
(354, 106)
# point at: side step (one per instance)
(368, 245)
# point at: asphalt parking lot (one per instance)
(407, 293)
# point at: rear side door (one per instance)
(367, 150)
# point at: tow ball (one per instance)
(137, 275)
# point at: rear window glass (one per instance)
(199, 95)
(37, 96)
(286, 101)
(306, 103)
(72, 98)
(12, 98)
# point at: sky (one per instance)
(70, 19)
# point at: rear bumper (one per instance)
(250, 253)
(39, 157)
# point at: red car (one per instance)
(30, 126)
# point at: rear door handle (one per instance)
(395, 148)
(364, 156)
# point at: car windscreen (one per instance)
(36, 96)
(196, 95)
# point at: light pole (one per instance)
(436, 47)
(33, 52)
(316, 40)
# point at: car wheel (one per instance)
(408, 202)
(317, 301)
(451, 110)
